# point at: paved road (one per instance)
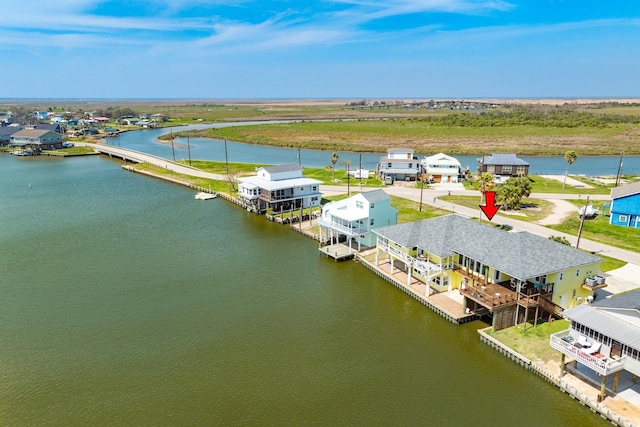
(140, 157)
(430, 197)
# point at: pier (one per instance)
(338, 252)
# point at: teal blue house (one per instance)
(625, 205)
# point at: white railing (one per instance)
(322, 222)
(602, 365)
(422, 266)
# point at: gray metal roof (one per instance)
(521, 255)
(626, 301)
(375, 195)
(605, 323)
(400, 150)
(8, 130)
(282, 168)
(502, 159)
(625, 190)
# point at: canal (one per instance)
(126, 301)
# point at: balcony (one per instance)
(564, 343)
(344, 229)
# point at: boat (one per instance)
(23, 153)
(205, 196)
(588, 211)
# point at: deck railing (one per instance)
(341, 228)
(600, 363)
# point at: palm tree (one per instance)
(334, 160)
(484, 183)
(570, 156)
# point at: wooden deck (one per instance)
(501, 294)
(338, 252)
(448, 304)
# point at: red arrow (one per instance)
(490, 208)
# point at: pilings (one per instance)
(420, 298)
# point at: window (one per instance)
(301, 188)
(561, 276)
(371, 221)
(410, 165)
(577, 272)
(315, 188)
(388, 165)
(506, 169)
(359, 204)
(372, 205)
(622, 218)
(491, 169)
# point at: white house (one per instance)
(356, 216)
(280, 188)
(604, 337)
(399, 164)
(442, 168)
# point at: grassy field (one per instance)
(378, 135)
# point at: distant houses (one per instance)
(503, 166)
(399, 165)
(442, 168)
(6, 132)
(625, 205)
(6, 118)
(279, 188)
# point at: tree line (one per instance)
(555, 118)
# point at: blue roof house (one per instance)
(625, 205)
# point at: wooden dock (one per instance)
(338, 252)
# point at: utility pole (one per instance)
(619, 170)
(173, 150)
(584, 214)
(226, 158)
(189, 149)
(421, 191)
(348, 189)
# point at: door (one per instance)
(563, 300)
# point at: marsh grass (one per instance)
(378, 135)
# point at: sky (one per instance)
(319, 49)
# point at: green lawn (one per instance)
(543, 185)
(600, 230)
(534, 342)
(532, 209)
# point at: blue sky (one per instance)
(319, 48)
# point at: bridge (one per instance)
(134, 156)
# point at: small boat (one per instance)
(588, 211)
(205, 196)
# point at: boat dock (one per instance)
(338, 252)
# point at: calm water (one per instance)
(211, 149)
(125, 301)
